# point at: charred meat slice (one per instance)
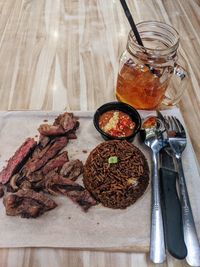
(82, 198)
(56, 184)
(18, 181)
(53, 148)
(71, 135)
(14, 181)
(1, 191)
(67, 121)
(37, 166)
(49, 130)
(27, 203)
(39, 152)
(44, 140)
(38, 185)
(56, 162)
(39, 197)
(17, 160)
(53, 164)
(72, 169)
(25, 185)
(63, 124)
(35, 176)
(30, 209)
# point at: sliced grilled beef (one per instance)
(63, 124)
(26, 185)
(82, 198)
(44, 140)
(34, 177)
(49, 130)
(27, 203)
(39, 160)
(56, 162)
(67, 121)
(35, 167)
(71, 135)
(39, 151)
(56, 184)
(72, 169)
(1, 191)
(15, 181)
(17, 160)
(53, 181)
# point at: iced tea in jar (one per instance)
(145, 71)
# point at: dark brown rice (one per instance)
(116, 185)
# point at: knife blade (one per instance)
(171, 207)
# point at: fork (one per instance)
(177, 141)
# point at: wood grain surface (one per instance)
(64, 54)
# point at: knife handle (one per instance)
(172, 214)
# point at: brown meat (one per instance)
(56, 162)
(15, 181)
(53, 164)
(53, 181)
(39, 161)
(39, 197)
(63, 124)
(17, 160)
(72, 169)
(44, 140)
(27, 203)
(39, 185)
(83, 199)
(25, 185)
(1, 191)
(50, 130)
(18, 181)
(34, 177)
(67, 121)
(39, 180)
(56, 184)
(71, 135)
(39, 151)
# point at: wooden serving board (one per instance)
(67, 225)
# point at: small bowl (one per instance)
(132, 112)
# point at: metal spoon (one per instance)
(151, 134)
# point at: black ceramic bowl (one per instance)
(132, 112)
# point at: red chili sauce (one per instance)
(116, 123)
(150, 123)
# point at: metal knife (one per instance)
(172, 217)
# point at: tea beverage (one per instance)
(138, 86)
(145, 72)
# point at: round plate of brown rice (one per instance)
(116, 173)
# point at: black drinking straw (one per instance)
(131, 21)
(135, 31)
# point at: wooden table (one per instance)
(57, 55)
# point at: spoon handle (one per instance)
(157, 242)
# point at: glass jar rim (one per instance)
(163, 26)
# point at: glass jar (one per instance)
(145, 71)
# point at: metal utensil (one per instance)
(172, 208)
(177, 141)
(152, 137)
(172, 216)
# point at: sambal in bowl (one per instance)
(117, 120)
